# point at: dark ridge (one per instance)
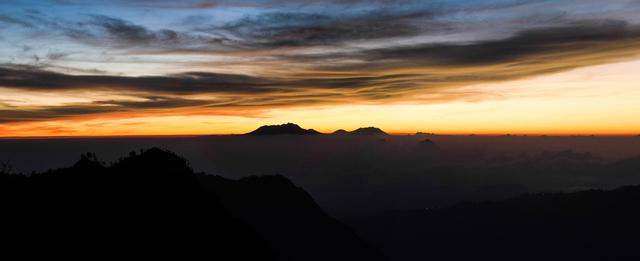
(152, 204)
(287, 215)
(587, 225)
(283, 129)
(368, 131)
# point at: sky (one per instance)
(142, 67)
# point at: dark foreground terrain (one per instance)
(152, 204)
(587, 225)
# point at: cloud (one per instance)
(34, 79)
(555, 40)
(118, 33)
(15, 21)
(57, 55)
(380, 75)
(48, 113)
(527, 53)
(282, 29)
(187, 4)
(37, 113)
(262, 31)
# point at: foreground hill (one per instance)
(151, 204)
(287, 216)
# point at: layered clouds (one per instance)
(209, 57)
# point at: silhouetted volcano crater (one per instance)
(340, 132)
(365, 131)
(368, 131)
(283, 129)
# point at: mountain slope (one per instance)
(151, 204)
(588, 225)
(288, 217)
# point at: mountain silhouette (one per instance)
(283, 129)
(368, 131)
(365, 131)
(152, 204)
(340, 132)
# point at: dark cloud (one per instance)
(565, 39)
(98, 107)
(527, 53)
(268, 30)
(281, 29)
(118, 33)
(15, 21)
(57, 55)
(31, 78)
(205, 4)
(154, 102)
(35, 79)
(48, 113)
(263, 31)
(188, 4)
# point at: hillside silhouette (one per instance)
(586, 225)
(283, 129)
(152, 204)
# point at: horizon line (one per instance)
(398, 134)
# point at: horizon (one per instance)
(327, 132)
(201, 67)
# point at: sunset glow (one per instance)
(110, 68)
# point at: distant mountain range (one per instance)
(294, 129)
